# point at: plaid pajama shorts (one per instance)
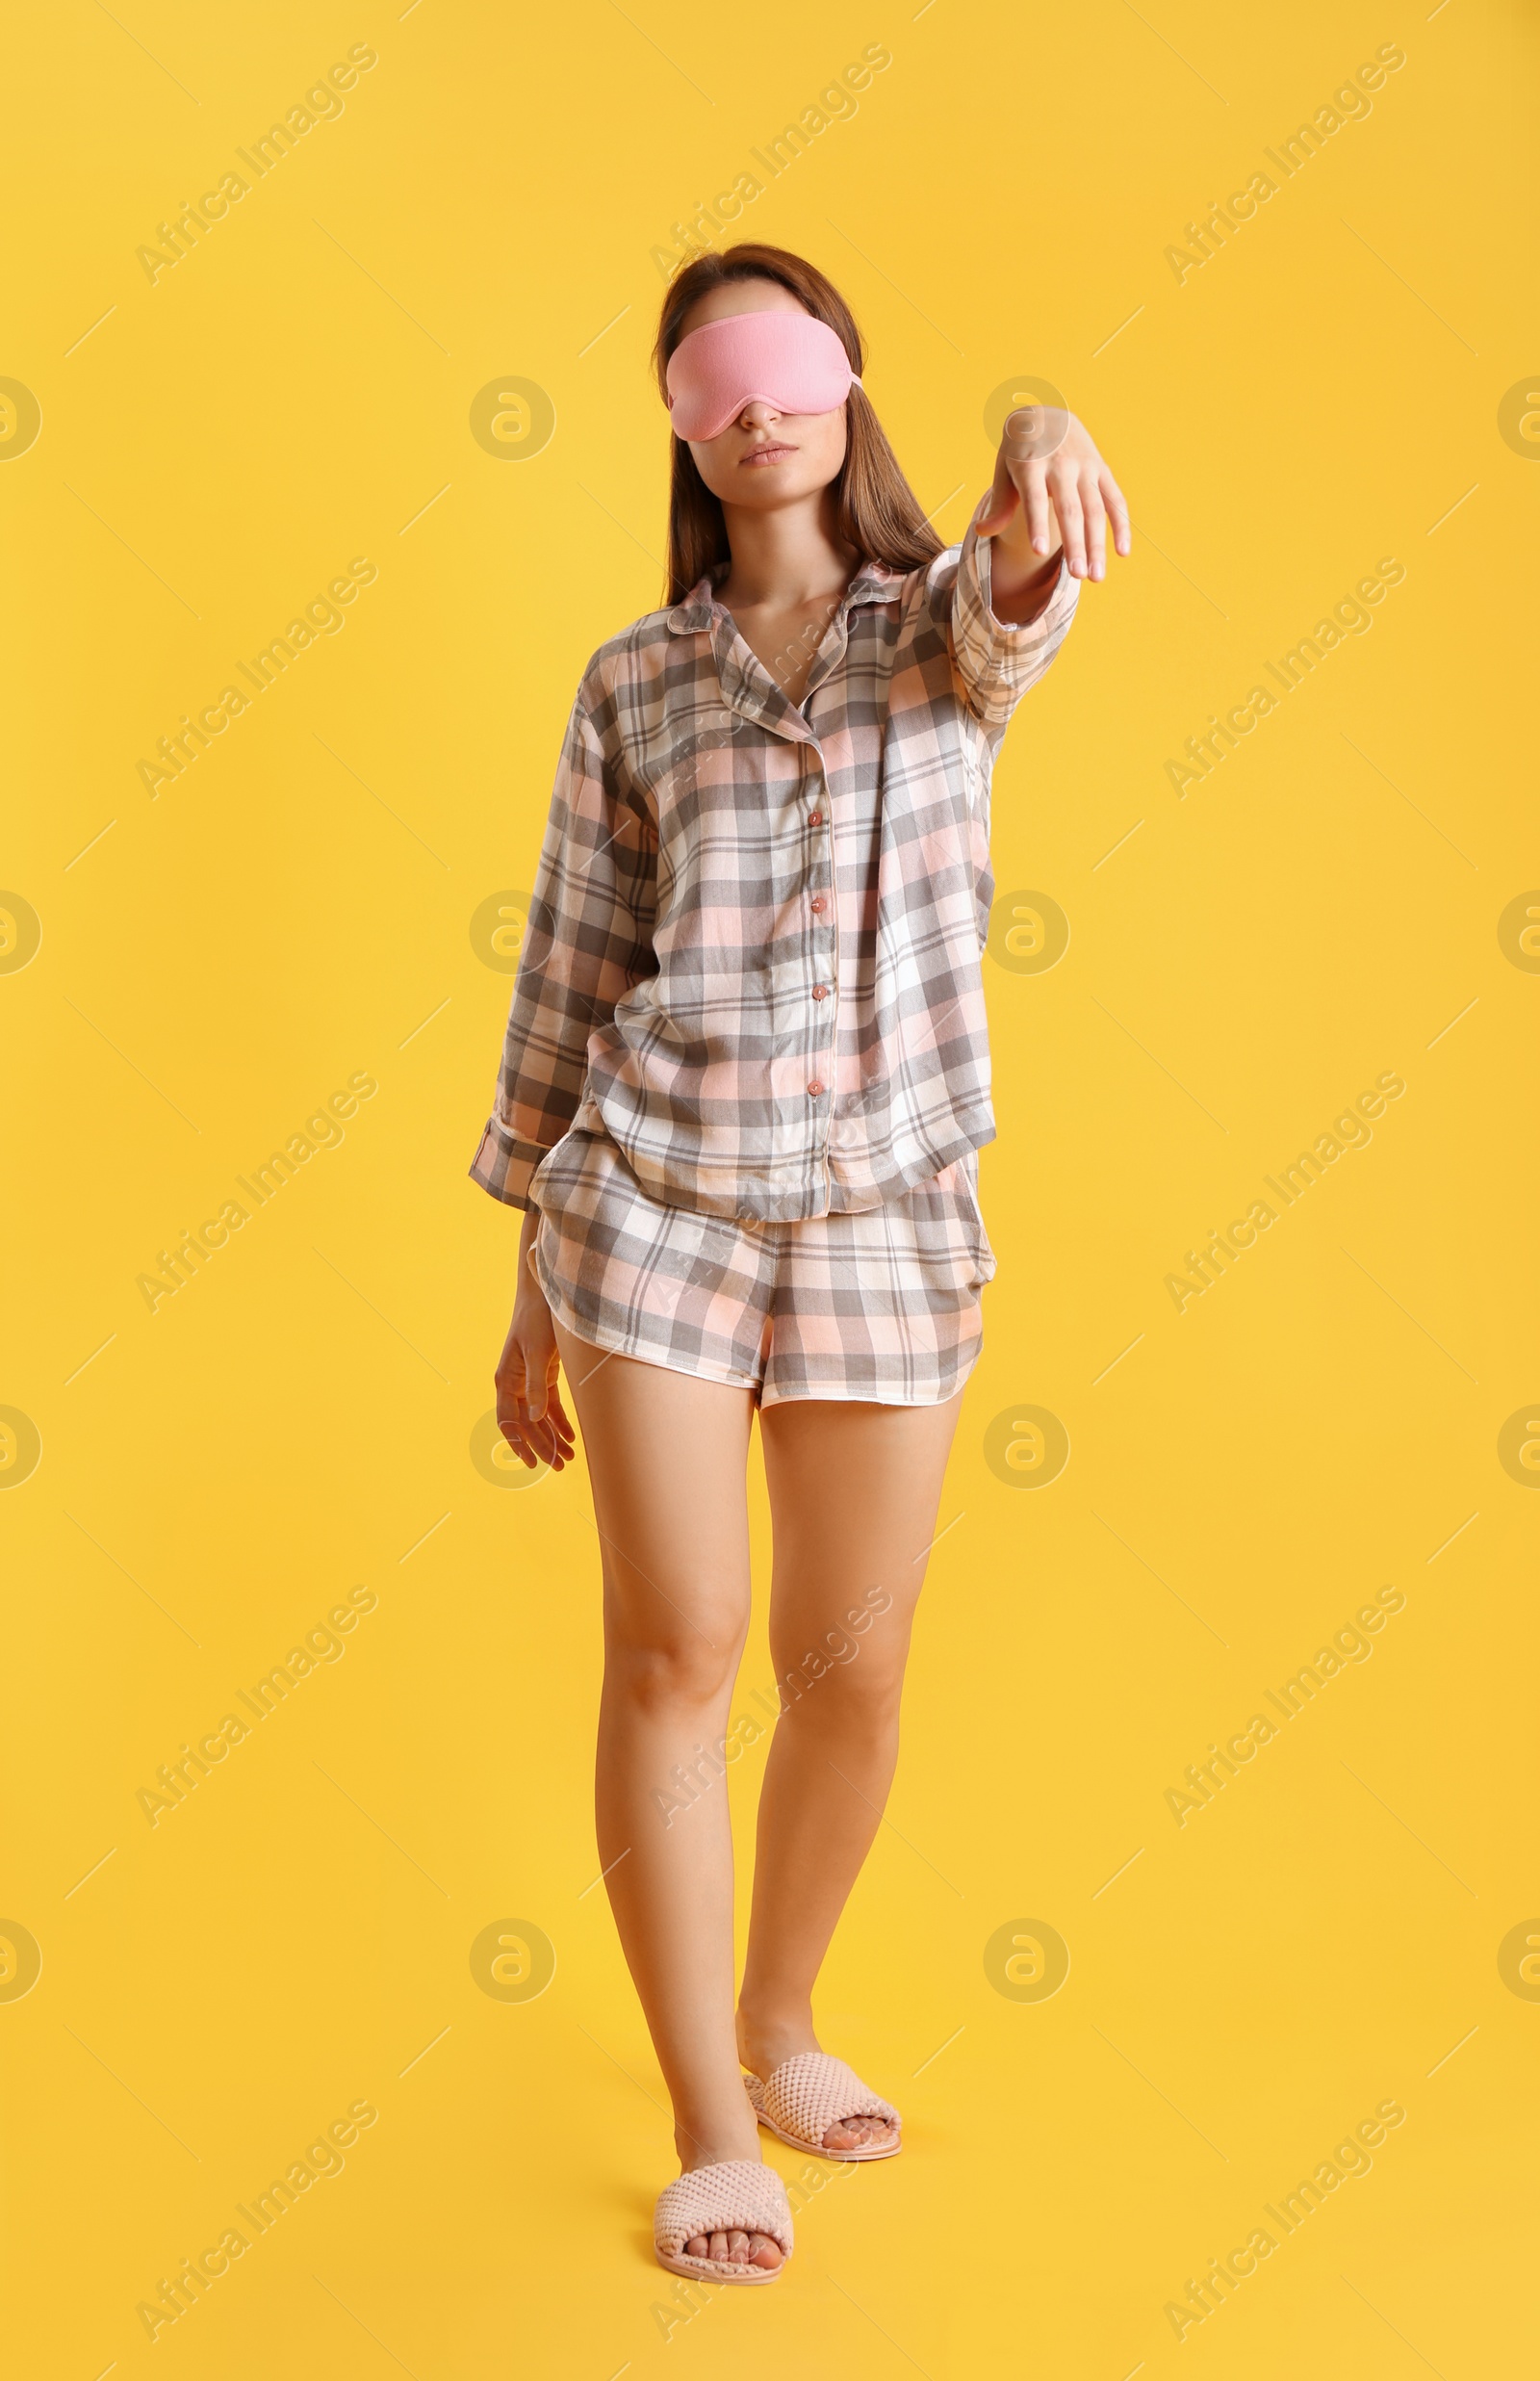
(883, 1305)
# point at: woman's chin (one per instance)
(766, 485)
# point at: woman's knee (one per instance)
(860, 1689)
(684, 1669)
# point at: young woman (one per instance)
(744, 1086)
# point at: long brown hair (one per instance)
(877, 510)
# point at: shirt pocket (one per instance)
(722, 798)
(699, 758)
(692, 738)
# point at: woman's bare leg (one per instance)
(854, 1493)
(667, 1456)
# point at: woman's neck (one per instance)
(786, 558)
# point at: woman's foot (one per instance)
(729, 2248)
(763, 2049)
(735, 2249)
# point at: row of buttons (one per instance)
(820, 992)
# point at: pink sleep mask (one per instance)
(791, 361)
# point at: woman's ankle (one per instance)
(718, 2145)
(767, 2036)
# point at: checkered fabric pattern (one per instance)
(883, 1305)
(756, 928)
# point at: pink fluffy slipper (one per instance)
(804, 2096)
(738, 2195)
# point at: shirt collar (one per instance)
(873, 584)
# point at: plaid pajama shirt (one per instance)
(753, 955)
(746, 1071)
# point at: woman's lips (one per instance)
(767, 455)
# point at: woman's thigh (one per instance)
(667, 1455)
(854, 1494)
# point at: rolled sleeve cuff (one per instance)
(506, 1167)
(999, 659)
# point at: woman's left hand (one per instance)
(1050, 477)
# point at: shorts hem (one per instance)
(621, 1343)
(825, 1396)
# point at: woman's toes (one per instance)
(735, 2248)
(855, 2132)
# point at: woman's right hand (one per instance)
(531, 1414)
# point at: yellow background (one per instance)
(214, 448)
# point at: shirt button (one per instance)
(815, 818)
(820, 992)
(816, 904)
(815, 1091)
